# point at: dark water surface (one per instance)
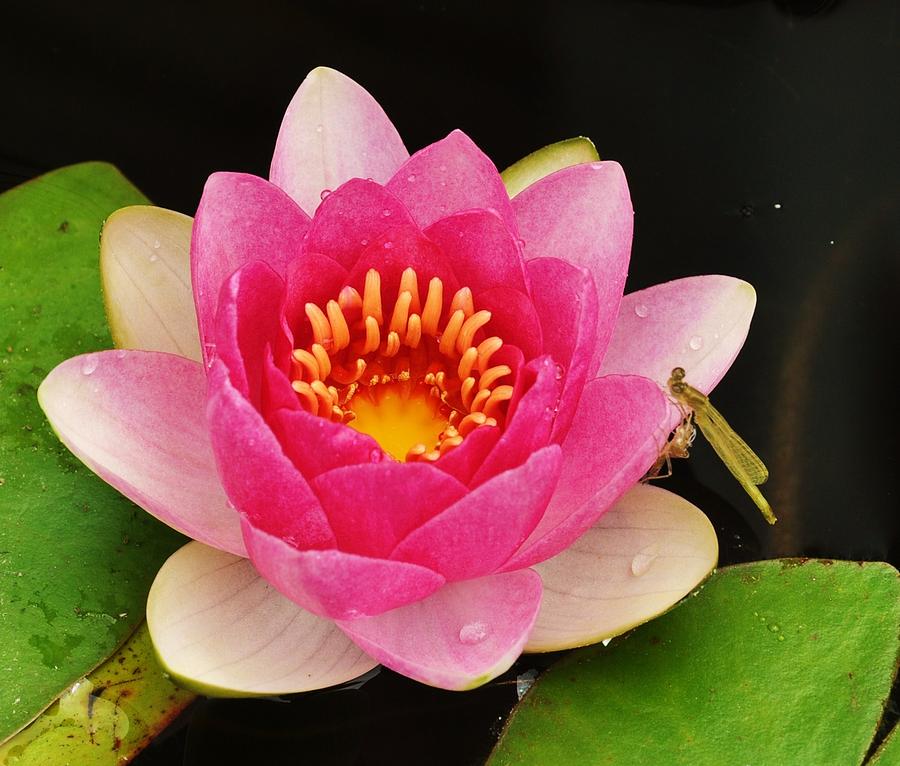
(759, 139)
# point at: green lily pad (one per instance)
(889, 752)
(76, 558)
(547, 160)
(776, 662)
(106, 718)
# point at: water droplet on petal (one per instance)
(153, 257)
(364, 242)
(89, 365)
(522, 243)
(473, 633)
(320, 128)
(324, 193)
(696, 343)
(411, 178)
(386, 213)
(597, 166)
(443, 182)
(560, 371)
(156, 244)
(120, 354)
(376, 456)
(641, 310)
(388, 245)
(644, 559)
(443, 168)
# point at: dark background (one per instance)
(760, 140)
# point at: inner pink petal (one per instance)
(447, 177)
(335, 584)
(373, 506)
(351, 217)
(566, 301)
(481, 250)
(614, 438)
(241, 218)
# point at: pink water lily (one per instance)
(402, 415)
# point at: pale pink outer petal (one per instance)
(145, 265)
(478, 533)
(582, 214)
(698, 323)
(260, 480)
(644, 555)
(461, 637)
(218, 627)
(335, 584)
(449, 176)
(614, 439)
(332, 131)
(136, 419)
(241, 218)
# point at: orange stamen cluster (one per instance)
(359, 343)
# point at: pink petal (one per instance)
(397, 249)
(146, 270)
(529, 422)
(311, 278)
(582, 214)
(221, 629)
(461, 637)
(462, 462)
(566, 301)
(447, 177)
(335, 584)
(481, 251)
(698, 323)
(351, 217)
(316, 445)
(513, 318)
(614, 439)
(332, 131)
(372, 507)
(644, 555)
(249, 327)
(260, 480)
(136, 419)
(241, 218)
(477, 534)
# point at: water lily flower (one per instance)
(402, 414)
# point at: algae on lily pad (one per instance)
(106, 718)
(76, 558)
(775, 662)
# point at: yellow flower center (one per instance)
(416, 381)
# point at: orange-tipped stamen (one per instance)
(419, 382)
